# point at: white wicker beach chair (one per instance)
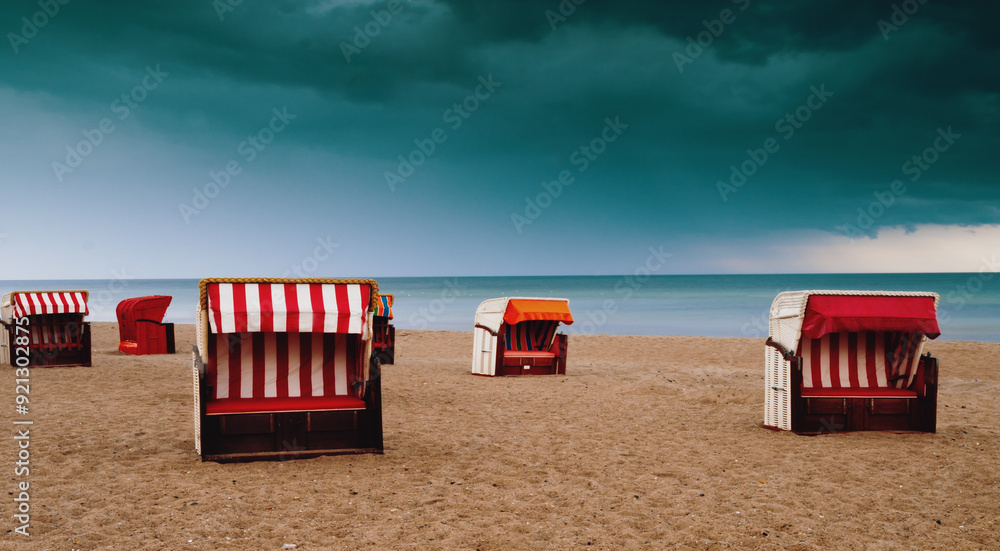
(517, 336)
(851, 360)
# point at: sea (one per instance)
(687, 305)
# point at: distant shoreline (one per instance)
(637, 304)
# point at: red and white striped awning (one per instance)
(49, 302)
(288, 307)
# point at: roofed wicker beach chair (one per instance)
(141, 327)
(383, 332)
(517, 336)
(850, 361)
(49, 324)
(284, 368)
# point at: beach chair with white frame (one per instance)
(851, 360)
(518, 336)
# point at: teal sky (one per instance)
(445, 137)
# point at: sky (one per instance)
(343, 138)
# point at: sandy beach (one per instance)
(646, 443)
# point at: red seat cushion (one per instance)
(528, 354)
(281, 405)
(857, 393)
(129, 347)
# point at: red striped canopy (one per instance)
(827, 314)
(32, 303)
(288, 307)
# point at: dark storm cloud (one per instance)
(604, 59)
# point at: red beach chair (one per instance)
(53, 323)
(851, 360)
(284, 368)
(141, 327)
(517, 336)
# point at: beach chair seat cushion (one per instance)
(530, 354)
(283, 405)
(857, 393)
(129, 347)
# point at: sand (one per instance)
(647, 442)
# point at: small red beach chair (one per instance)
(851, 360)
(284, 368)
(518, 336)
(51, 326)
(383, 332)
(141, 327)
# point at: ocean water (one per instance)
(690, 305)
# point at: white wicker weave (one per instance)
(197, 402)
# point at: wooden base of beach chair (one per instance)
(54, 343)
(865, 410)
(825, 415)
(518, 362)
(294, 435)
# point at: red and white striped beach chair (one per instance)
(284, 368)
(383, 332)
(517, 336)
(53, 323)
(851, 360)
(141, 327)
